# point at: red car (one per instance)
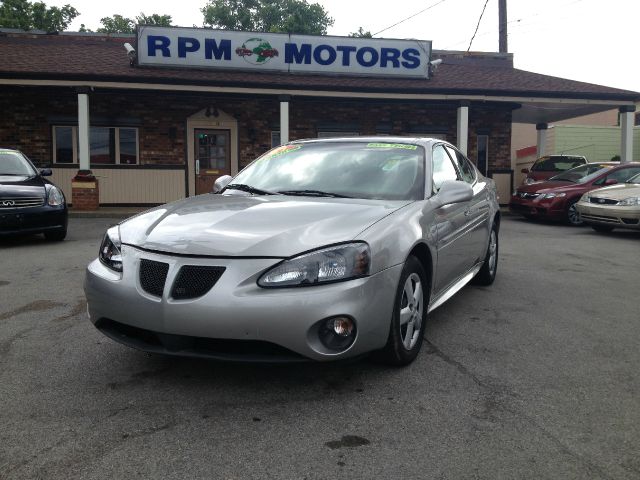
(269, 53)
(555, 198)
(551, 165)
(243, 52)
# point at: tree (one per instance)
(119, 24)
(154, 19)
(275, 16)
(361, 33)
(35, 16)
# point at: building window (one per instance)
(107, 145)
(64, 145)
(275, 138)
(483, 153)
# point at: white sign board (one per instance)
(198, 47)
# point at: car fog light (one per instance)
(337, 333)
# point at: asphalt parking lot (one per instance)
(534, 377)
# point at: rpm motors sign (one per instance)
(195, 47)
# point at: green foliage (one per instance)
(25, 15)
(275, 16)
(361, 33)
(154, 19)
(119, 24)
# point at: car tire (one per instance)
(487, 273)
(602, 228)
(572, 215)
(56, 235)
(409, 311)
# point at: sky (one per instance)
(586, 40)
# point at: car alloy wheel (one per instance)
(411, 309)
(409, 316)
(487, 273)
(573, 215)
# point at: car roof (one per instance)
(424, 141)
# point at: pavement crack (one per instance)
(77, 309)
(37, 306)
(494, 402)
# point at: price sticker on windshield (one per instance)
(402, 146)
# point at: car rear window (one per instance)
(556, 164)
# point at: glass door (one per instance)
(212, 157)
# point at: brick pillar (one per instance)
(85, 193)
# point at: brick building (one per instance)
(159, 133)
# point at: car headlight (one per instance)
(332, 264)
(630, 202)
(110, 254)
(528, 181)
(55, 197)
(552, 195)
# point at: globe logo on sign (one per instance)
(256, 51)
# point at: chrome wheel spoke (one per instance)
(417, 295)
(408, 338)
(405, 315)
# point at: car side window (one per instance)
(464, 166)
(442, 167)
(623, 174)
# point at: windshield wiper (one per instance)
(312, 193)
(249, 189)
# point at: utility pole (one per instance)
(502, 20)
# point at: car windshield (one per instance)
(635, 179)
(556, 164)
(13, 163)
(583, 173)
(371, 170)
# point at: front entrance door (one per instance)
(213, 157)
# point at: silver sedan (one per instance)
(319, 249)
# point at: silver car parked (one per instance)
(319, 249)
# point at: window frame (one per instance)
(453, 163)
(486, 156)
(75, 153)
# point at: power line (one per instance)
(410, 17)
(478, 25)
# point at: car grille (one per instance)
(195, 280)
(599, 218)
(603, 201)
(21, 202)
(528, 195)
(153, 276)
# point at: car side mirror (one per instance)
(221, 183)
(46, 172)
(524, 170)
(610, 181)
(453, 191)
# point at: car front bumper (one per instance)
(552, 209)
(15, 221)
(611, 215)
(236, 315)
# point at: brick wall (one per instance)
(29, 113)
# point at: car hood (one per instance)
(252, 226)
(547, 186)
(21, 186)
(617, 192)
